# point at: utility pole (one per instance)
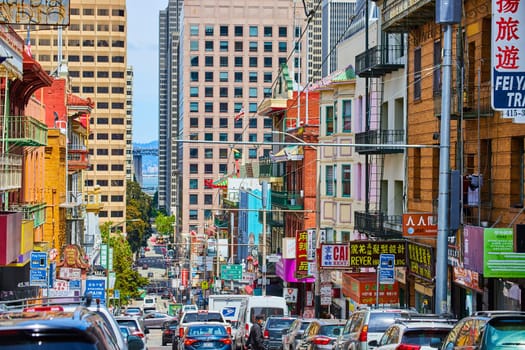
(264, 196)
(448, 12)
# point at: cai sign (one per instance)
(508, 58)
(499, 258)
(335, 255)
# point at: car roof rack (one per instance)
(80, 300)
(490, 313)
(438, 318)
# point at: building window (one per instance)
(194, 91)
(252, 137)
(194, 184)
(223, 153)
(283, 46)
(194, 168)
(208, 30)
(253, 77)
(347, 115)
(237, 92)
(223, 168)
(223, 136)
(237, 61)
(208, 107)
(268, 62)
(223, 30)
(268, 32)
(329, 117)
(436, 73)
(346, 180)
(416, 178)
(208, 153)
(238, 47)
(194, 45)
(223, 123)
(208, 91)
(253, 62)
(223, 107)
(237, 124)
(223, 46)
(253, 92)
(237, 137)
(223, 61)
(252, 153)
(252, 122)
(267, 92)
(208, 45)
(194, 122)
(283, 32)
(252, 107)
(194, 29)
(208, 198)
(208, 123)
(238, 30)
(223, 77)
(268, 123)
(194, 153)
(194, 76)
(254, 31)
(194, 107)
(88, 58)
(268, 46)
(208, 77)
(194, 61)
(194, 214)
(237, 77)
(208, 61)
(329, 180)
(208, 169)
(194, 199)
(253, 46)
(417, 73)
(223, 92)
(267, 77)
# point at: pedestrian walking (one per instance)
(255, 339)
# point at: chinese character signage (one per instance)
(499, 258)
(301, 253)
(508, 58)
(420, 260)
(361, 288)
(419, 224)
(43, 12)
(366, 253)
(335, 255)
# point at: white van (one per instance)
(263, 305)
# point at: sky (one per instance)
(143, 42)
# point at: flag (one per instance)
(28, 43)
(240, 114)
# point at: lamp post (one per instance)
(317, 282)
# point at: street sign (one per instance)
(116, 294)
(38, 277)
(231, 272)
(38, 260)
(204, 285)
(386, 268)
(97, 288)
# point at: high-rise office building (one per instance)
(94, 51)
(229, 55)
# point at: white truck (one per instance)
(233, 309)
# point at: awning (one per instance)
(288, 153)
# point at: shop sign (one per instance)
(301, 253)
(420, 259)
(335, 255)
(499, 258)
(326, 294)
(466, 278)
(290, 295)
(419, 225)
(366, 253)
(361, 288)
(31, 12)
(312, 240)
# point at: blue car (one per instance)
(209, 335)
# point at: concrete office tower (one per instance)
(336, 16)
(94, 49)
(130, 166)
(168, 105)
(229, 57)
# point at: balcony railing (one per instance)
(287, 200)
(35, 212)
(475, 100)
(378, 224)
(10, 172)
(380, 60)
(380, 138)
(77, 158)
(401, 15)
(25, 131)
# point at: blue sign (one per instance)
(75, 284)
(386, 268)
(97, 288)
(116, 294)
(52, 274)
(229, 311)
(38, 277)
(38, 260)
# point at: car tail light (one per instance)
(363, 336)
(43, 309)
(266, 334)
(229, 330)
(408, 347)
(247, 329)
(181, 332)
(226, 341)
(138, 334)
(189, 341)
(321, 340)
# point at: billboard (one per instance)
(35, 12)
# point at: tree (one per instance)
(138, 213)
(164, 224)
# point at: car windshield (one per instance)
(331, 330)
(202, 317)
(266, 312)
(133, 311)
(279, 323)
(425, 337)
(132, 324)
(304, 325)
(380, 321)
(505, 333)
(207, 330)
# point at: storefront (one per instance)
(299, 292)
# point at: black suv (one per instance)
(487, 330)
(50, 328)
(273, 330)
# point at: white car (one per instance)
(149, 303)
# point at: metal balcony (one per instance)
(35, 212)
(77, 158)
(379, 225)
(380, 138)
(474, 102)
(380, 60)
(287, 200)
(10, 172)
(398, 16)
(25, 131)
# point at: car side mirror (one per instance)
(372, 343)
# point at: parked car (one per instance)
(169, 330)
(366, 325)
(149, 303)
(292, 336)
(156, 319)
(488, 330)
(133, 311)
(133, 342)
(136, 325)
(425, 332)
(321, 334)
(273, 330)
(50, 327)
(209, 335)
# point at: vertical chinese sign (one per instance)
(508, 58)
(301, 254)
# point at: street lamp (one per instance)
(317, 282)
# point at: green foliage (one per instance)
(164, 224)
(138, 213)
